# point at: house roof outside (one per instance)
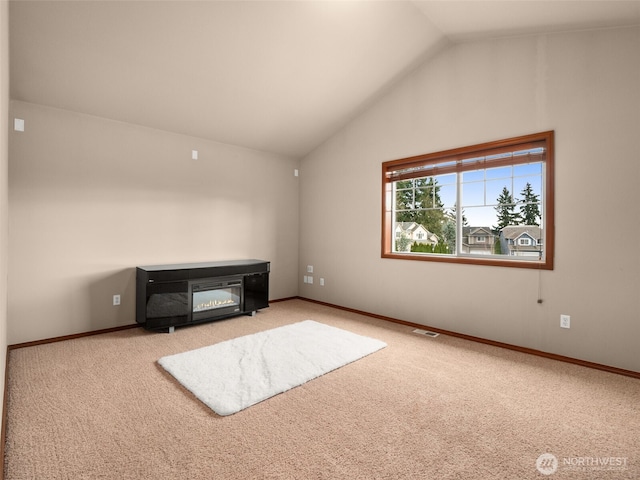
(411, 227)
(512, 232)
(488, 231)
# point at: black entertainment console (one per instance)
(169, 296)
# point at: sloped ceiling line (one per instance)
(274, 76)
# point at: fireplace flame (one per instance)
(211, 304)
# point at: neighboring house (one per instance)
(521, 240)
(415, 233)
(478, 240)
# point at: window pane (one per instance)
(519, 184)
(473, 175)
(472, 194)
(480, 216)
(404, 199)
(423, 231)
(527, 169)
(495, 188)
(448, 195)
(478, 240)
(501, 172)
(449, 179)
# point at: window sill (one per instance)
(494, 262)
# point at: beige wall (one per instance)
(91, 198)
(4, 154)
(585, 86)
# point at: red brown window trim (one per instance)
(462, 159)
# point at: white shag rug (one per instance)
(233, 375)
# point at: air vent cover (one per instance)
(426, 333)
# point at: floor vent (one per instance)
(426, 333)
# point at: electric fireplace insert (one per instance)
(221, 296)
(169, 296)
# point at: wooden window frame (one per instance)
(462, 159)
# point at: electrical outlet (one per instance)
(116, 299)
(321, 282)
(565, 321)
(309, 268)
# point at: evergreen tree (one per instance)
(506, 213)
(497, 248)
(530, 208)
(418, 200)
(449, 227)
(402, 243)
(453, 215)
(449, 232)
(405, 200)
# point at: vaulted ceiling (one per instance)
(275, 76)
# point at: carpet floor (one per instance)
(100, 407)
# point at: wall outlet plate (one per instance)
(565, 321)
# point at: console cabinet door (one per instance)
(256, 292)
(167, 304)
